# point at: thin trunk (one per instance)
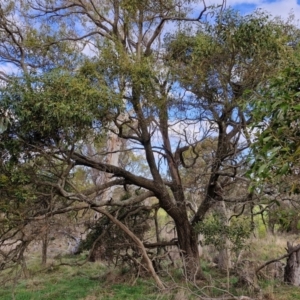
(157, 231)
(44, 248)
(224, 258)
(113, 147)
(23, 264)
(45, 241)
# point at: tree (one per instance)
(276, 148)
(275, 151)
(222, 68)
(129, 47)
(144, 87)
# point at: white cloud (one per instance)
(90, 50)
(9, 69)
(237, 2)
(276, 8)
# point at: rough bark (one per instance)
(44, 248)
(188, 244)
(292, 268)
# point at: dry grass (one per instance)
(266, 248)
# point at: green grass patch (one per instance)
(57, 288)
(91, 281)
(139, 291)
(94, 281)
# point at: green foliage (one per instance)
(255, 36)
(284, 219)
(15, 189)
(276, 150)
(215, 232)
(57, 107)
(229, 57)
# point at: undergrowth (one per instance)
(71, 278)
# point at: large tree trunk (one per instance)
(188, 244)
(292, 268)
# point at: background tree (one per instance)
(276, 148)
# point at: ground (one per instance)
(69, 278)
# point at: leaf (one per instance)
(297, 107)
(284, 169)
(266, 139)
(273, 152)
(297, 152)
(262, 168)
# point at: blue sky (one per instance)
(276, 7)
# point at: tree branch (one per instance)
(117, 171)
(138, 242)
(297, 248)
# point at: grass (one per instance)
(79, 288)
(93, 281)
(275, 290)
(267, 248)
(61, 289)
(62, 283)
